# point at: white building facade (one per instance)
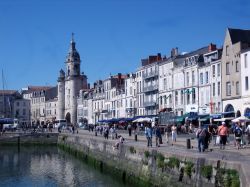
(243, 104)
(130, 96)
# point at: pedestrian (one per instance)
(129, 129)
(201, 135)
(223, 133)
(106, 133)
(50, 127)
(101, 130)
(157, 135)
(191, 127)
(174, 133)
(148, 133)
(213, 133)
(207, 139)
(119, 142)
(167, 132)
(238, 135)
(186, 125)
(248, 133)
(112, 132)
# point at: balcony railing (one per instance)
(150, 88)
(150, 103)
(98, 96)
(130, 109)
(150, 74)
(104, 111)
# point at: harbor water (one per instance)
(42, 166)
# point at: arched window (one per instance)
(229, 108)
(229, 111)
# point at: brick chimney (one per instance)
(159, 57)
(212, 47)
(119, 76)
(174, 52)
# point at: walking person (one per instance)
(112, 132)
(168, 132)
(129, 129)
(157, 136)
(238, 135)
(201, 136)
(106, 132)
(223, 133)
(248, 133)
(101, 129)
(207, 139)
(174, 133)
(213, 133)
(149, 134)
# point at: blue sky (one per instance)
(111, 35)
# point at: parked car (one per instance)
(9, 127)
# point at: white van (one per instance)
(12, 125)
(60, 123)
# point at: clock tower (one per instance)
(70, 83)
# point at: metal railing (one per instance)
(150, 103)
(150, 88)
(150, 74)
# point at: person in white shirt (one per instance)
(174, 133)
(248, 133)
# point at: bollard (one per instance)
(95, 133)
(136, 137)
(188, 143)
(116, 136)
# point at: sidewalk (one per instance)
(181, 143)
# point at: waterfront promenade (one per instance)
(230, 155)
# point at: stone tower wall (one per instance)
(61, 100)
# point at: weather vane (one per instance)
(72, 36)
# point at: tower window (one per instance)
(68, 71)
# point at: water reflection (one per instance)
(47, 166)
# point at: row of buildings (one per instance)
(208, 80)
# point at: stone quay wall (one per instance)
(148, 167)
(29, 139)
(141, 166)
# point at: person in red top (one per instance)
(223, 133)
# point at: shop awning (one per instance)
(192, 116)
(179, 119)
(224, 119)
(215, 116)
(204, 117)
(228, 114)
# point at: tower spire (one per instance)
(72, 37)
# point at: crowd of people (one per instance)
(210, 134)
(220, 135)
(215, 134)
